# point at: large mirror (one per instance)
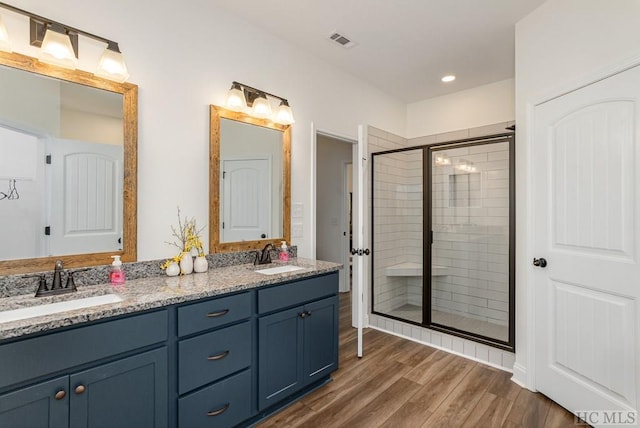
(249, 181)
(68, 167)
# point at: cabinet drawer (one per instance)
(296, 293)
(38, 356)
(211, 356)
(223, 404)
(213, 313)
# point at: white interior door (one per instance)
(360, 163)
(586, 194)
(85, 200)
(246, 199)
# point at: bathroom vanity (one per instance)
(224, 348)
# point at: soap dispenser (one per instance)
(116, 274)
(284, 252)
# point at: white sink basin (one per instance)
(52, 308)
(279, 269)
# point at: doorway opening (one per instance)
(334, 190)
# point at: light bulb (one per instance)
(4, 38)
(284, 115)
(261, 107)
(56, 49)
(235, 98)
(112, 65)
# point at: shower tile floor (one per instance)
(414, 313)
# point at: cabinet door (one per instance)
(43, 405)
(280, 371)
(132, 392)
(320, 339)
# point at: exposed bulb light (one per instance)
(235, 98)
(57, 49)
(284, 115)
(4, 38)
(261, 107)
(112, 65)
(448, 78)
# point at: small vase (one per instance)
(200, 264)
(186, 264)
(173, 269)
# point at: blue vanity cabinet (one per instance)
(92, 375)
(42, 405)
(215, 360)
(297, 337)
(131, 392)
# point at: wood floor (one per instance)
(399, 383)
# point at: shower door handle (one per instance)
(360, 251)
(541, 262)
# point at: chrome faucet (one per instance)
(263, 257)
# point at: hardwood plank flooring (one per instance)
(402, 384)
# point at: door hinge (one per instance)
(431, 237)
(47, 230)
(47, 159)
(224, 174)
(223, 224)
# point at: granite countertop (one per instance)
(153, 292)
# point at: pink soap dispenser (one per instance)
(116, 274)
(284, 253)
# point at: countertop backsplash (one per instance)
(15, 285)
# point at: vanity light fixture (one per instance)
(4, 38)
(56, 47)
(466, 166)
(243, 97)
(59, 45)
(111, 65)
(284, 115)
(261, 107)
(442, 160)
(235, 98)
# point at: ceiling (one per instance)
(403, 47)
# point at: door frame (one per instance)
(524, 369)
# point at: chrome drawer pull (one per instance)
(220, 411)
(218, 314)
(219, 356)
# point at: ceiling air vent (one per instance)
(341, 39)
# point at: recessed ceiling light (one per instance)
(449, 78)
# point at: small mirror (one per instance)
(249, 181)
(68, 155)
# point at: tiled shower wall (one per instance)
(471, 232)
(397, 226)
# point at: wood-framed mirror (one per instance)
(249, 182)
(105, 184)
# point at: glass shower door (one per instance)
(470, 251)
(397, 238)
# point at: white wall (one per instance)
(561, 42)
(483, 105)
(330, 196)
(184, 57)
(91, 127)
